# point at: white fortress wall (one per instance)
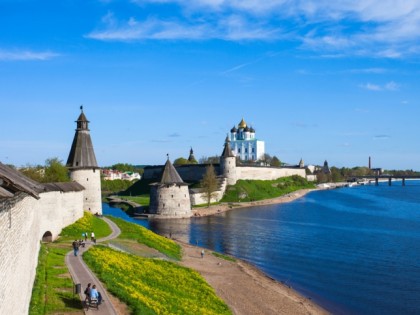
(23, 222)
(198, 198)
(19, 249)
(267, 173)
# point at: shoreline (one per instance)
(245, 288)
(224, 207)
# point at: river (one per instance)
(352, 250)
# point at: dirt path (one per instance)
(246, 289)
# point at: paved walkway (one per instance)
(81, 273)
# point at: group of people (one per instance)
(92, 294)
(77, 243)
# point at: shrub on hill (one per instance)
(253, 190)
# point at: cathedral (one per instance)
(244, 144)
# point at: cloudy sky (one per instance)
(317, 79)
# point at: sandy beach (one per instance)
(246, 289)
(215, 209)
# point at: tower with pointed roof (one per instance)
(228, 163)
(244, 144)
(83, 166)
(170, 197)
(191, 157)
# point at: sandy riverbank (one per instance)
(246, 289)
(201, 212)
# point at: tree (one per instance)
(275, 161)
(181, 161)
(53, 171)
(209, 159)
(209, 183)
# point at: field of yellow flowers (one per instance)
(151, 286)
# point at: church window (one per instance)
(164, 205)
(253, 150)
(179, 205)
(246, 150)
(87, 179)
(239, 150)
(172, 196)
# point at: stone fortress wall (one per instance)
(195, 172)
(24, 221)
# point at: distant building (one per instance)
(115, 174)
(244, 143)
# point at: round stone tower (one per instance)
(83, 166)
(228, 163)
(170, 197)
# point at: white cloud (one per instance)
(390, 86)
(26, 55)
(377, 28)
(371, 87)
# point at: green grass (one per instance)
(147, 237)
(89, 223)
(143, 200)
(150, 286)
(52, 292)
(53, 288)
(253, 190)
(225, 257)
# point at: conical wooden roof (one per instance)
(170, 175)
(82, 154)
(227, 151)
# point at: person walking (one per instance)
(202, 253)
(92, 237)
(75, 247)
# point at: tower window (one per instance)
(172, 196)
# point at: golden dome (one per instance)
(242, 124)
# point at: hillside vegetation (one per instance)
(253, 190)
(53, 288)
(152, 286)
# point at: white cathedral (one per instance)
(244, 144)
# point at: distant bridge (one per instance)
(388, 177)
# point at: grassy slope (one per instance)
(147, 237)
(252, 190)
(53, 288)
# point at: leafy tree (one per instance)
(34, 172)
(125, 167)
(210, 159)
(209, 183)
(181, 161)
(55, 171)
(275, 161)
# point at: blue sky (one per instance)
(317, 79)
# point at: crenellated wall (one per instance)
(23, 222)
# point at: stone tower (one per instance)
(83, 166)
(228, 163)
(170, 197)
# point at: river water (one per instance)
(352, 250)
